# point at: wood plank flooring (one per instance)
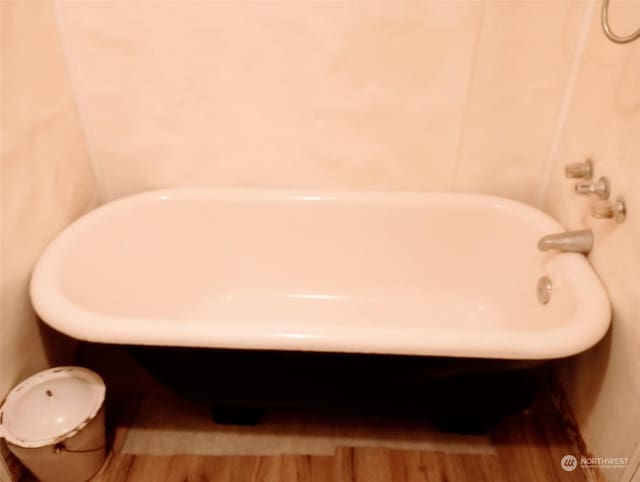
(347, 465)
(525, 447)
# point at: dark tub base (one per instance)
(237, 414)
(455, 395)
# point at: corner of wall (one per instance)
(565, 105)
(601, 384)
(96, 167)
(46, 181)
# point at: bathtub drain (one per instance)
(544, 290)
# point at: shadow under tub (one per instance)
(461, 395)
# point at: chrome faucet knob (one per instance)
(579, 170)
(600, 188)
(610, 209)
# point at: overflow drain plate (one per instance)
(544, 290)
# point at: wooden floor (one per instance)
(526, 447)
(347, 465)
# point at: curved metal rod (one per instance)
(607, 29)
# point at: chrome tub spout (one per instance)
(569, 241)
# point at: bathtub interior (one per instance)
(469, 267)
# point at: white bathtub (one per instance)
(394, 273)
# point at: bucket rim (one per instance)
(13, 398)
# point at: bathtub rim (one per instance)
(58, 311)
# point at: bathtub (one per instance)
(445, 275)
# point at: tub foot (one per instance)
(237, 414)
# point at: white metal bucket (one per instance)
(54, 423)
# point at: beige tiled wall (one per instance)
(46, 178)
(523, 60)
(604, 123)
(425, 95)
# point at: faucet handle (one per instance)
(608, 209)
(599, 188)
(579, 170)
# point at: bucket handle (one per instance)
(60, 447)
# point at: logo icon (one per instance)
(569, 463)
